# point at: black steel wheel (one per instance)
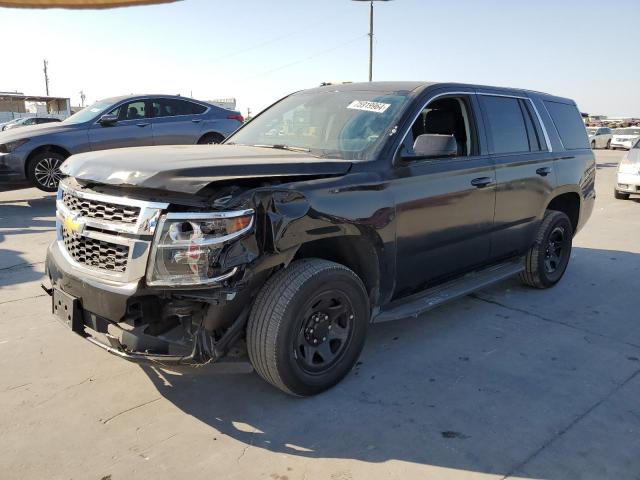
(43, 170)
(547, 260)
(326, 328)
(307, 326)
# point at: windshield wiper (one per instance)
(284, 147)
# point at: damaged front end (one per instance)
(149, 283)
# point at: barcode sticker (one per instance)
(368, 106)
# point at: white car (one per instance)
(625, 137)
(599, 137)
(628, 180)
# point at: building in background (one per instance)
(18, 105)
(228, 103)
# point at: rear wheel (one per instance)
(211, 139)
(548, 258)
(43, 170)
(620, 196)
(307, 326)
(608, 144)
(593, 145)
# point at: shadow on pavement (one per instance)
(470, 386)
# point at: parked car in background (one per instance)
(334, 208)
(625, 137)
(37, 152)
(628, 177)
(27, 121)
(599, 137)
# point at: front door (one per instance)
(444, 206)
(133, 128)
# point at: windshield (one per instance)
(347, 125)
(628, 131)
(89, 112)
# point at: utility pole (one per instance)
(82, 97)
(46, 77)
(370, 34)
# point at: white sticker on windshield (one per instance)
(94, 110)
(368, 106)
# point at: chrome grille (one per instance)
(109, 212)
(96, 253)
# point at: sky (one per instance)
(258, 51)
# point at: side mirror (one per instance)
(108, 120)
(435, 146)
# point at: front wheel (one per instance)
(608, 144)
(620, 196)
(547, 259)
(593, 145)
(307, 326)
(43, 170)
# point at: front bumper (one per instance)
(625, 145)
(97, 310)
(628, 183)
(12, 166)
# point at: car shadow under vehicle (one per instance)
(486, 384)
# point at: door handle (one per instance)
(196, 120)
(142, 124)
(543, 171)
(481, 182)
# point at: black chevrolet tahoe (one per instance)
(335, 208)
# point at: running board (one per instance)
(418, 303)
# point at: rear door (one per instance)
(524, 166)
(176, 121)
(133, 128)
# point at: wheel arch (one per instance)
(42, 149)
(354, 252)
(221, 136)
(570, 204)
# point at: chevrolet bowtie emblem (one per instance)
(73, 224)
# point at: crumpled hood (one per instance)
(190, 168)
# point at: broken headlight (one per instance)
(187, 246)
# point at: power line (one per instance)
(306, 59)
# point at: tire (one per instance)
(593, 145)
(619, 195)
(43, 170)
(608, 145)
(210, 139)
(312, 300)
(547, 260)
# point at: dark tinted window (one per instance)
(569, 125)
(507, 127)
(171, 107)
(196, 108)
(535, 144)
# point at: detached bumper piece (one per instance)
(177, 346)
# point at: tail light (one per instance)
(236, 116)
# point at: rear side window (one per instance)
(197, 109)
(507, 128)
(569, 125)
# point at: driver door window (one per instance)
(446, 116)
(131, 111)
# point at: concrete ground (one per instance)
(510, 382)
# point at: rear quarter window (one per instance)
(569, 125)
